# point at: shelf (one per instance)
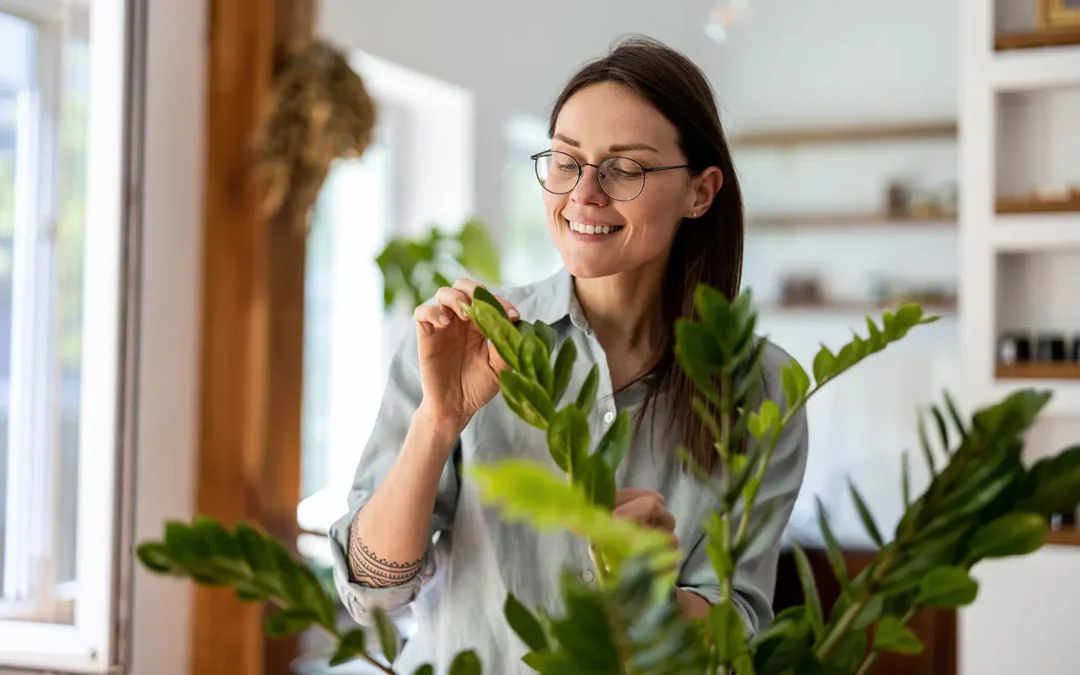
(1043, 232)
(852, 134)
(1036, 370)
(1035, 40)
(1028, 205)
(843, 220)
(855, 307)
(1066, 536)
(1024, 69)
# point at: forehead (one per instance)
(606, 114)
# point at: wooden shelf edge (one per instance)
(1025, 205)
(1069, 536)
(1038, 371)
(849, 134)
(859, 306)
(1035, 40)
(844, 220)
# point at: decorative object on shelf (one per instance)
(1076, 349)
(1064, 519)
(1057, 15)
(1014, 348)
(1042, 199)
(897, 198)
(903, 201)
(802, 290)
(884, 291)
(1051, 347)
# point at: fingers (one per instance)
(432, 316)
(452, 299)
(468, 287)
(628, 494)
(647, 510)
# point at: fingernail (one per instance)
(513, 312)
(444, 321)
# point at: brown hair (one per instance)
(706, 250)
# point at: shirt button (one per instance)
(587, 576)
(609, 417)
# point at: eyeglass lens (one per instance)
(619, 177)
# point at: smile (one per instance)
(592, 231)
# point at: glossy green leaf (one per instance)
(478, 253)
(865, 516)
(568, 438)
(892, 635)
(810, 591)
(848, 654)
(547, 335)
(728, 632)
(707, 417)
(389, 640)
(527, 398)
(351, 646)
(289, 622)
(536, 362)
(466, 663)
(524, 624)
(954, 413)
(425, 669)
(504, 335)
(870, 613)
(586, 397)
(943, 430)
(1011, 535)
(947, 587)
(796, 383)
(598, 480)
(253, 545)
(876, 339)
(928, 452)
(156, 558)
(824, 365)
(219, 541)
(615, 442)
(313, 595)
(564, 370)
(697, 348)
(833, 550)
(1053, 484)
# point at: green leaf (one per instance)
(905, 480)
(943, 430)
(313, 595)
(728, 632)
(833, 550)
(848, 654)
(955, 415)
(701, 407)
(586, 397)
(253, 545)
(865, 516)
(536, 363)
(155, 557)
(615, 442)
(1053, 484)
(285, 571)
(928, 452)
(568, 438)
(697, 348)
(352, 646)
(495, 327)
(893, 636)
(529, 399)
(389, 640)
(527, 492)
(598, 479)
(564, 369)
(876, 340)
(824, 365)
(947, 587)
(289, 622)
(181, 546)
(1011, 535)
(481, 294)
(478, 253)
(218, 541)
(547, 335)
(870, 613)
(522, 621)
(796, 383)
(810, 591)
(425, 669)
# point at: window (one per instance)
(62, 104)
(529, 255)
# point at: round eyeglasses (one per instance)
(621, 178)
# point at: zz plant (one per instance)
(981, 503)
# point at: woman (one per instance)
(643, 205)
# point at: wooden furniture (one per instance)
(851, 134)
(936, 629)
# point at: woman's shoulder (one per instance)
(775, 359)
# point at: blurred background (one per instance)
(168, 348)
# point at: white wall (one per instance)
(170, 321)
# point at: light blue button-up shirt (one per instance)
(476, 557)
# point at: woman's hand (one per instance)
(459, 372)
(646, 508)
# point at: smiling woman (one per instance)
(643, 206)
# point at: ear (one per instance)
(706, 185)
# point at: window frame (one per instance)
(89, 644)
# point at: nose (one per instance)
(588, 190)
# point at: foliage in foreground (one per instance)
(981, 503)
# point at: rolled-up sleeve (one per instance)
(400, 401)
(755, 576)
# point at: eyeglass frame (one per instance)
(581, 171)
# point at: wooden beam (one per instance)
(252, 331)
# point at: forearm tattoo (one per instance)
(370, 570)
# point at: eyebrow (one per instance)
(620, 147)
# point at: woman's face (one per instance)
(608, 120)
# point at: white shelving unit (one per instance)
(984, 235)
(1012, 627)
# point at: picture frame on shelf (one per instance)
(1058, 15)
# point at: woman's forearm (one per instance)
(392, 531)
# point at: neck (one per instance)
(624, 309)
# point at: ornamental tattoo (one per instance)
(370, 570)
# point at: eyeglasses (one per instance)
(621, 178)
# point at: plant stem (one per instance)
(837, 633)
(333, 632)
(867, 662)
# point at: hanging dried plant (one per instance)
(318, 111)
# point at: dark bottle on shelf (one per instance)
(1076, 349)
(1051, 347)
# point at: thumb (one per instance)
(495, 360)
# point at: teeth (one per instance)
(592, 229)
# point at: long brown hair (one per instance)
(708, 249)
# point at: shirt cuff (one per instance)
(359, 600)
